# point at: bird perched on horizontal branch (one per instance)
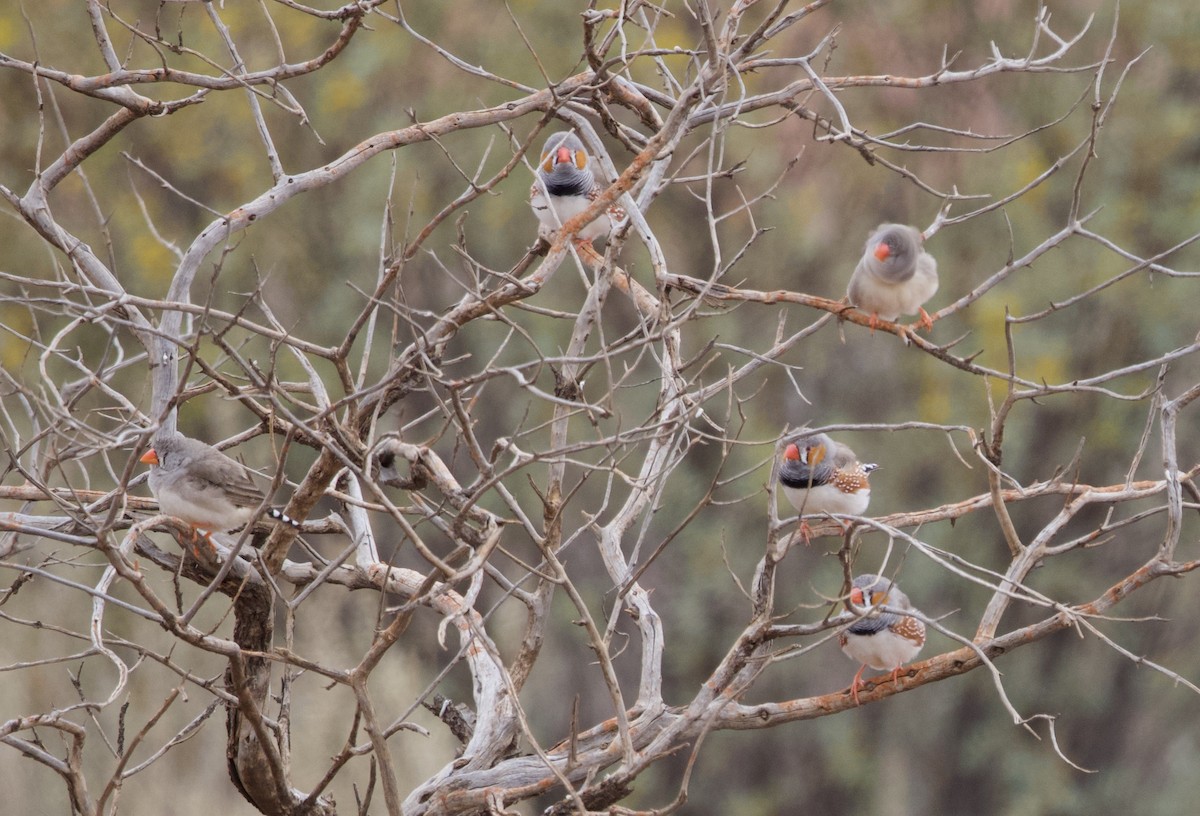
(895, 275)
(199, 485)
(882, 640)
(819, 475)
(566, 186)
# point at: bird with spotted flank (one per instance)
(881, 639)
(820, 476)
(566, 186)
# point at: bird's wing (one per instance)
(911, 629)
(855, 291)
(615, 211)
(226, 475)
(927, 267)
(839, 455)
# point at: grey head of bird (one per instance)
(892, 251)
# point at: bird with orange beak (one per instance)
(820, 476)
(881, 639)
(197, 484)
(565, 187)
(895, 275)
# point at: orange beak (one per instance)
(792, 452)
(856, 597)
(149, 458)
(883, 251)
(563, 156)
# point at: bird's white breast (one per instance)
(208, 509)
(872, 293)
(827, 499)
(884, 650)
(554, 211)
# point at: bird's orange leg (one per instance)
(857, 684)
(926, 322)
(805, 532)
(874, 322)
(206, 537)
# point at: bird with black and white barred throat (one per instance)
(199, 485)
(880, 639)
(819, 476)
(895, 275)
(565, 187)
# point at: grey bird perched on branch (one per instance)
(197, 484)
(819, 475)
(895, 275)
(566, 186)
(885, 640)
